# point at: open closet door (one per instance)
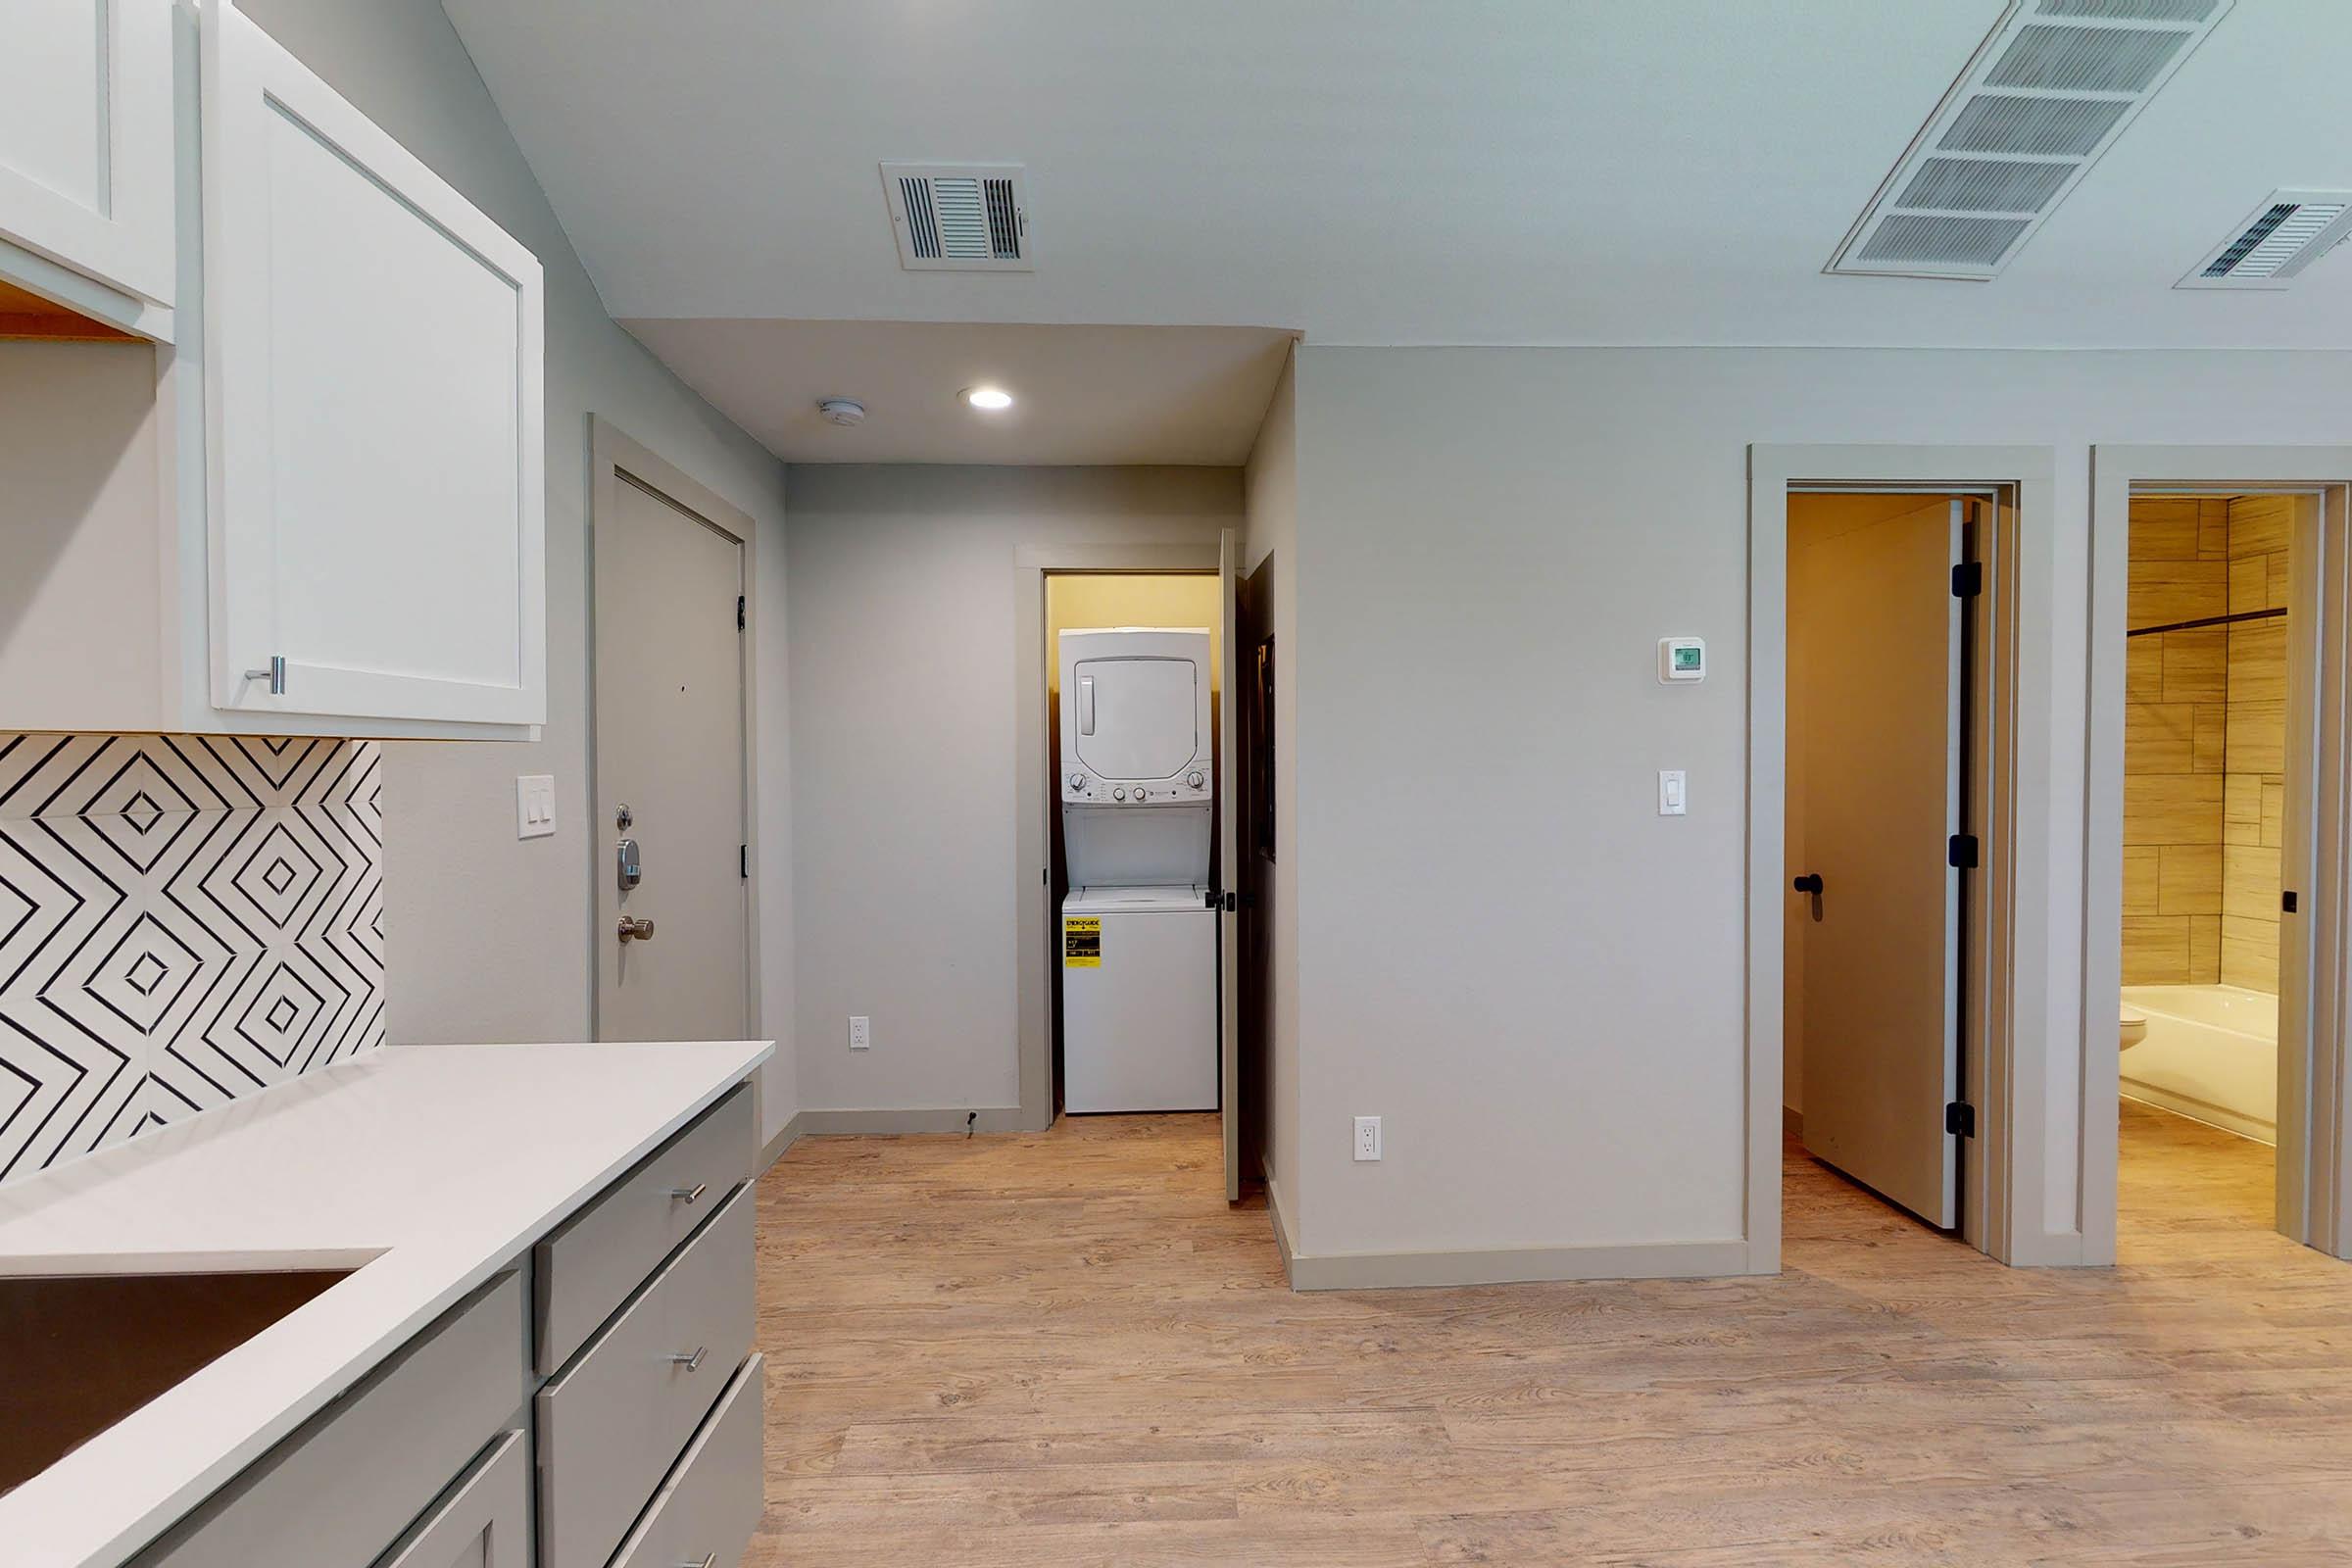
(1876, 643)
(1229, 947)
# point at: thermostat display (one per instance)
(1681, 659)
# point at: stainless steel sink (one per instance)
(84, 1350)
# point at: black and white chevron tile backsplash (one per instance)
(183, 919)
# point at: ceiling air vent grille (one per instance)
(2285, 234)
(2053, 84)
(960, 217)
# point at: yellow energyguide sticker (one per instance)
(1081, 942)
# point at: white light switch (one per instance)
(535, 805)
(1670, 793)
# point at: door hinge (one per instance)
(2287, 902)
(1231, 903)
(1968, 579)
(739, 611)
(1960, 852)
(743, 861)
(1960, 1119)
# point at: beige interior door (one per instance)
(670, 748)
(1876, 643)
(1229, 801)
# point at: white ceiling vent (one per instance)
(960, 218)
(2054, 83)
(2287, 232)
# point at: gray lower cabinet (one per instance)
(643, 1451)
(359, 1472)
(483, 1522)
(613, 1423)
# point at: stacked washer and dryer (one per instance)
(1138, 935)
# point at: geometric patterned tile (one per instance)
(183, 921)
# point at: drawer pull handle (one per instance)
(687, 1195)
(691, 1363)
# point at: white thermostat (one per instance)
(1681, 659)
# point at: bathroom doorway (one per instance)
(2221, 731)
(2248, 615)
(1888, 682)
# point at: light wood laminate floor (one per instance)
(1065, 1350)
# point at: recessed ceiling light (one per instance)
(988, 399)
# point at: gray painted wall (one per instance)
(1501, 949)
(901, 584)
(1269, 555)
(490, 936)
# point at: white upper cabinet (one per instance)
(373, 411)
(86, 156)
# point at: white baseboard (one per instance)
(917, 1119)
(784, 1140)
(1284, 1241)
(1357, 1271)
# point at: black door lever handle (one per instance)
(1810, 882)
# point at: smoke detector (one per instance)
(960, 218)
(2287, 232)
(2048, 92)
(842, 410)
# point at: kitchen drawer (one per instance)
(611, 1424)
(709, 1508)
(343, 1488)
(603, 1252)
(485, 1521)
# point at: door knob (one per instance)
(1810, 882)
(636, 928)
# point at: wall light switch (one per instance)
(535, 805)
(1367, 1136)
(1672, 800)
(862, 1034)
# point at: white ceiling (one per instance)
(1615, 172)
(1083, 394)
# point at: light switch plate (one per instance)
(1674, 795)
(535, 805)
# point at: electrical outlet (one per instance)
(1367, 1136)
(862, 1034)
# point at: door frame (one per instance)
(616, 459)
(2001, 1185)
(1034, 803)
(2315, 1084)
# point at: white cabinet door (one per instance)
(373, 414)
(86, 141)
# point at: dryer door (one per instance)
(1135, 716)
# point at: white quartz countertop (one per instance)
(429, 1166)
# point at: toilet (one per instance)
(2134, 1028)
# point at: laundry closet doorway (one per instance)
(1080, 587)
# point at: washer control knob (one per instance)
(1196, 780)
(1077, 781)
(1119, 794)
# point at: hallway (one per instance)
(1064, 1349)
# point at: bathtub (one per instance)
(2210, 1053)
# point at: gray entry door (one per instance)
(1880, 737)
(669, 747)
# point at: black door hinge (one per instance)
(739, 611)
(1960, 852)
(1231, 903)
(1968, 579)
(743, 861)
(1960, 1119)
(2287, 902)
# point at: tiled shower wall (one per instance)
(183, 921)
(2204, 743)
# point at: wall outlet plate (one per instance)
(862, 1033)
(1367, 1136)
(535, 805)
